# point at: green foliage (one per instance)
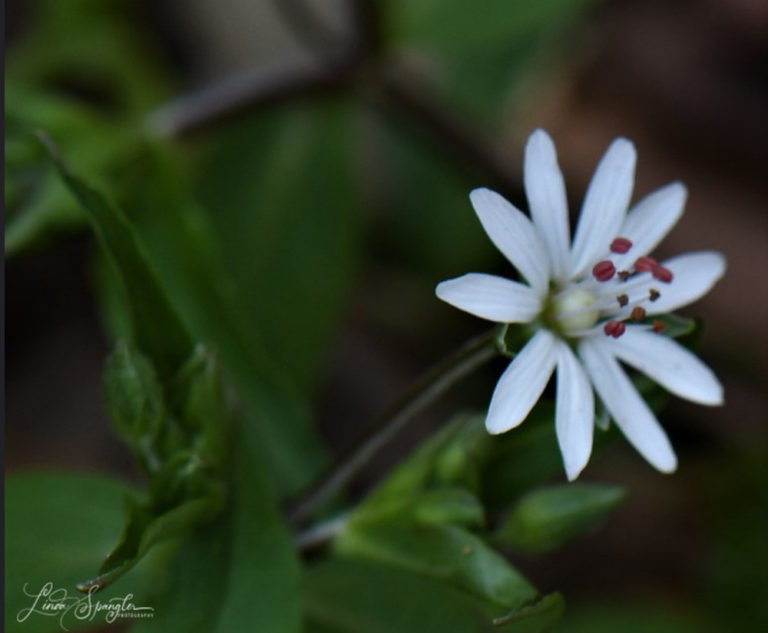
(224, 308)
(544, 519)
(123, 79)
(57, 527)
(178, 423)
(496, 470)
(280, 195)
(91, 103)
(428, 518)
(476, 61)
(425, 516)
(178, 439)
(446, 552)
(175, 426)
(157, 329)
(239, 572)
(352, 596)
(37, 204)
(135, 401)
(181, 243)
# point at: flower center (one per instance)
(574, 309)
(608, 296)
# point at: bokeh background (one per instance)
(375, 120)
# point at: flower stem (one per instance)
(427, 389)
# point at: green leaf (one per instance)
(194, 586)
(448, 505)
(239, 573)
(522, 459)
(497, 469)
(189, 257)
(92, 104)
(143, 531)
(476, 55)
(157, 328)
(58, 526)
(449, 458)
(201, 406)
(352, 596)
(180, 441)
(444, 505)
(446, 552)
(124, 79)
(546, 518)
(263, 579)
(135, 401)
(37, 203)
(540, 615)
(280, 194)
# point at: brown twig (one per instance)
(431, 385)
(243, 92)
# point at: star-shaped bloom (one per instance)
(590, 302)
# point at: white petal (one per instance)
(520, 386)
(694, 276)
(574, 412)
(514, 235)
(669, 364)
(605, 206)
(625, 405)
(545, 189)
(649, 221)
(490, 297)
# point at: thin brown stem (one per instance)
(425, 391)
(245, 91)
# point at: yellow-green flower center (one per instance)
(572, 311)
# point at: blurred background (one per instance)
(351, 133)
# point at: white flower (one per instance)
(580, 294)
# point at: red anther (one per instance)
(604, 270)
(658, 327)
(645, 264)
(637, 314)
(654, 294)
(620, 245)
(623, 275)
(614, 329)
(662, 274)
(623, 300)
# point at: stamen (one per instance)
(623, 300)
(637, 314)
(658, 327)
(620, 245)
(646, 264)
(604, 270)
(614, 329)
(654, 294)
(624, 275)
(662, 274)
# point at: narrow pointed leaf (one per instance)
(546, 518)
(157, 328)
